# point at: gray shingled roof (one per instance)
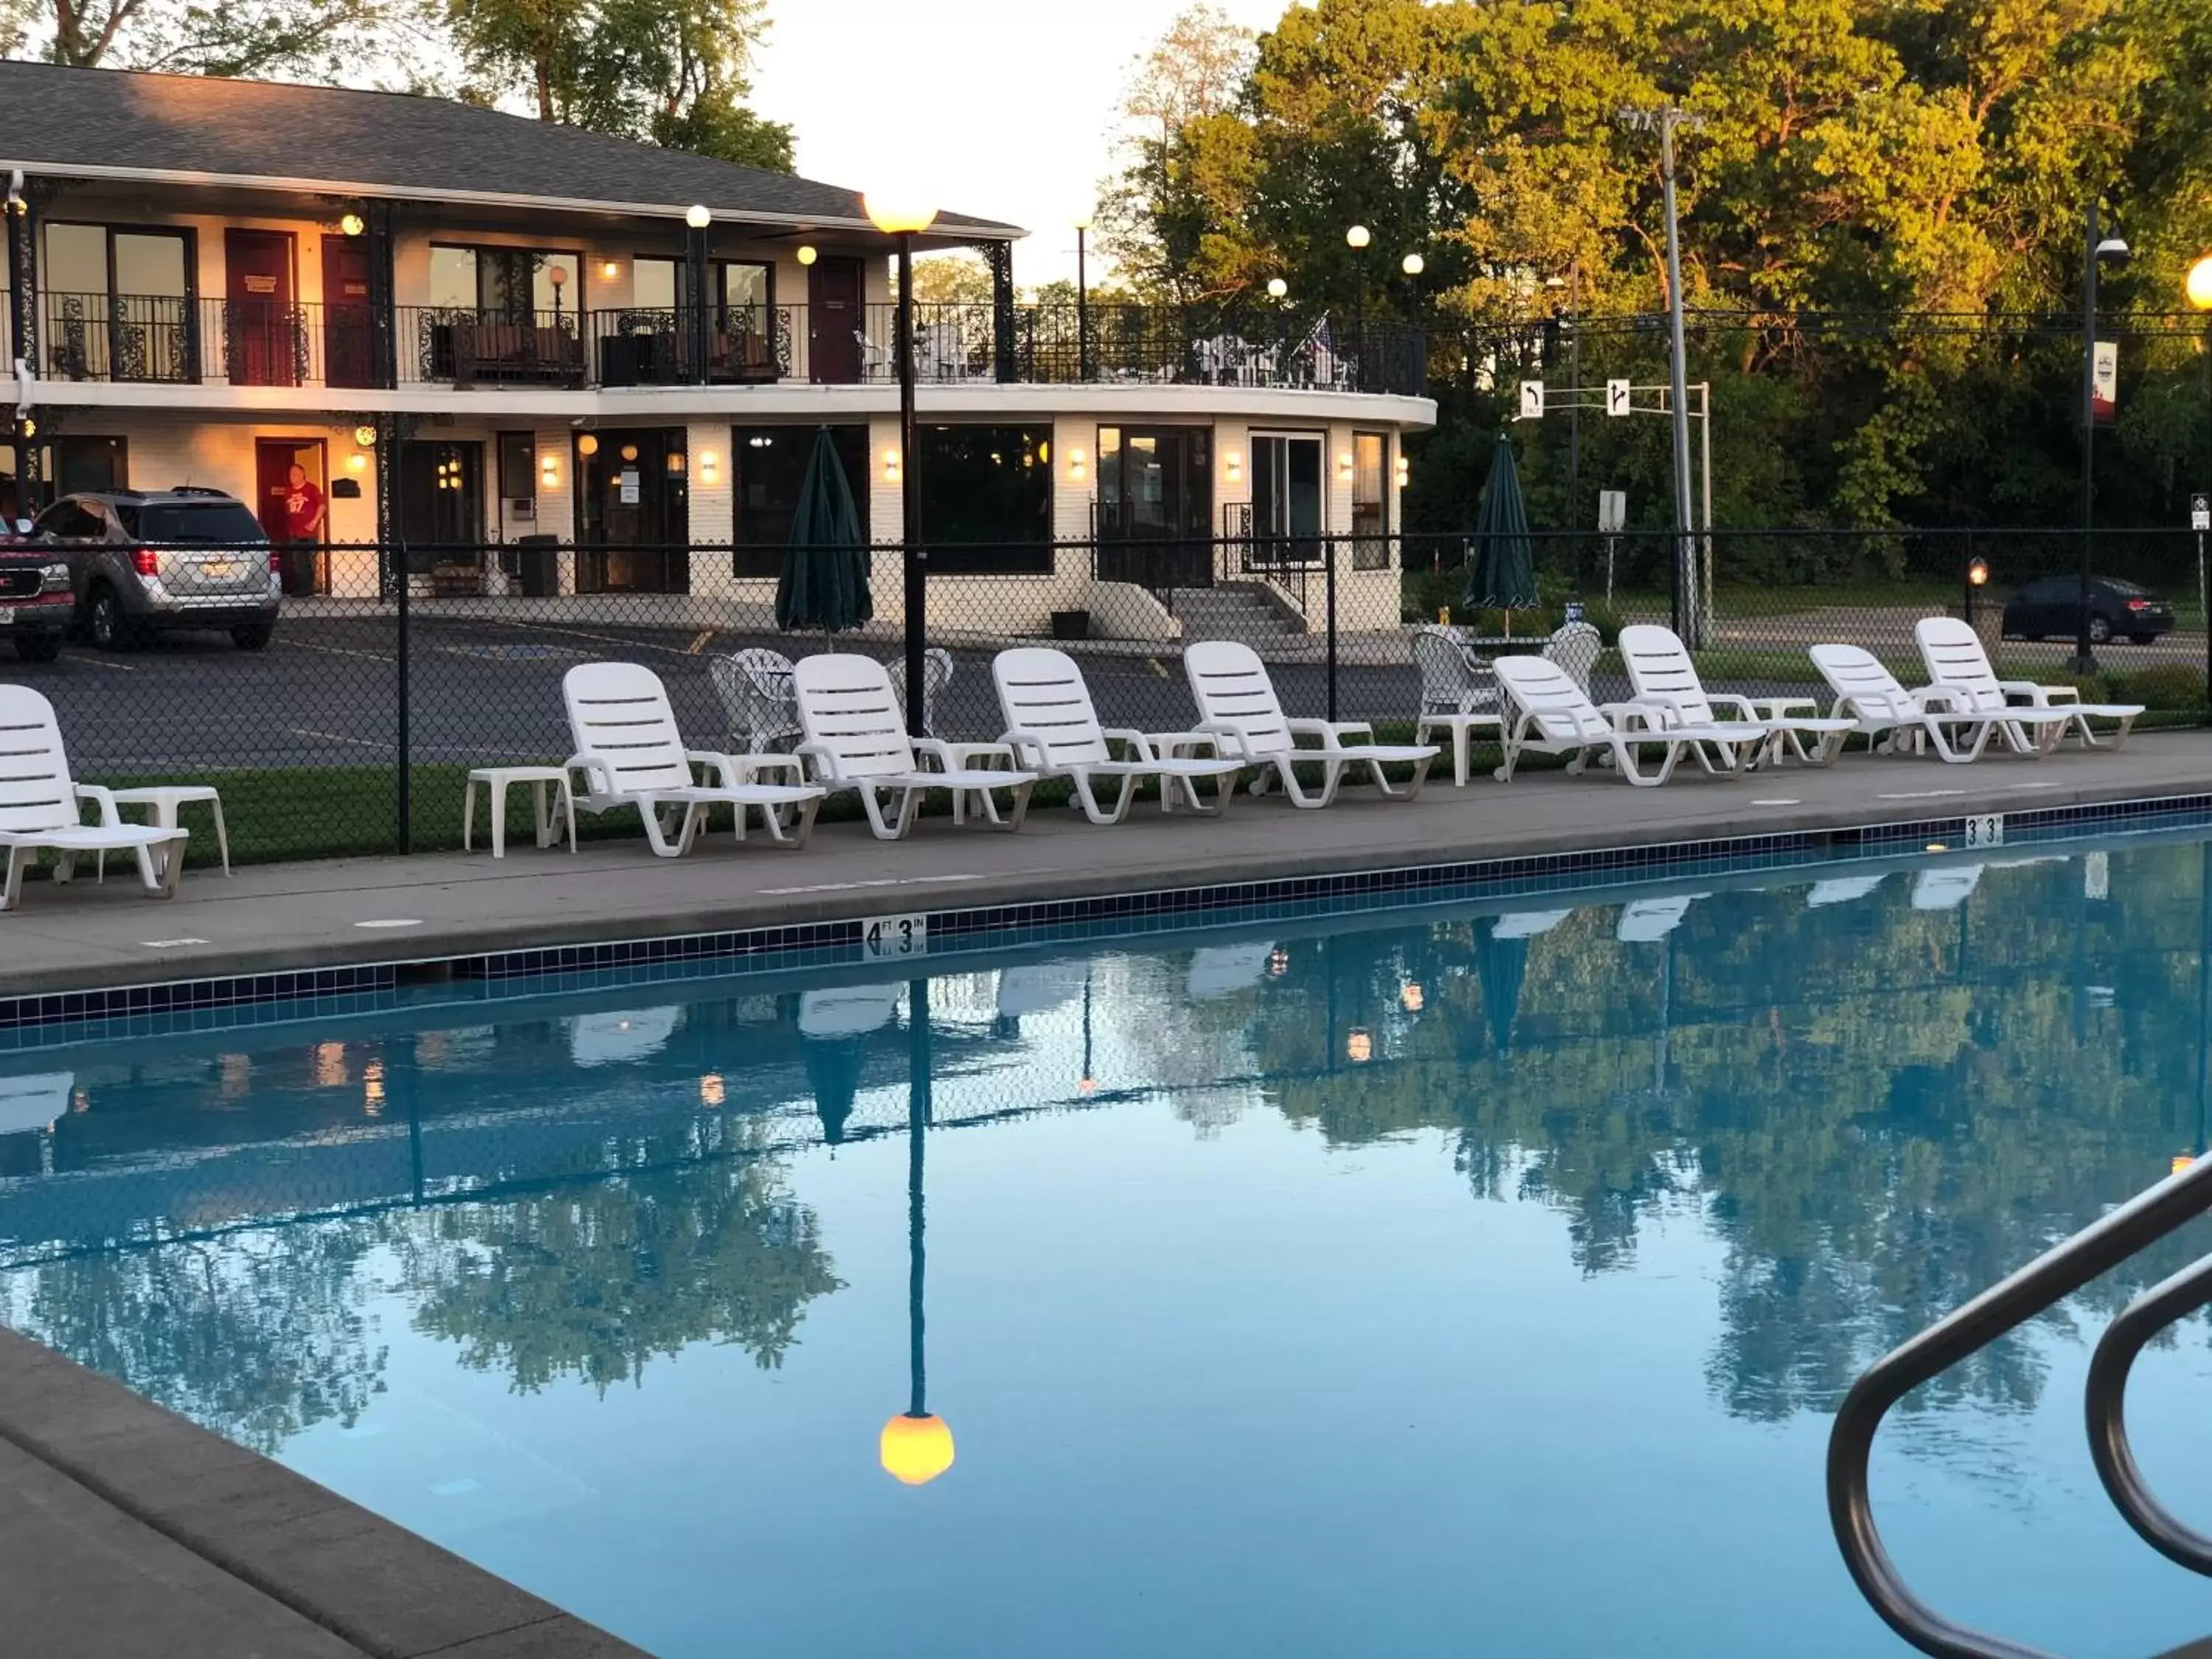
(73, 120)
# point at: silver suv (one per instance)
(157, 560)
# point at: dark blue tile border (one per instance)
(206, 1004)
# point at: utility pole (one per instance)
(1666, 120)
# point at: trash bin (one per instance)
(540, 559)
(1071, 624)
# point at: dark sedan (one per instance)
(2051, 609)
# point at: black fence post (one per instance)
(405, 758)
(1329, 600)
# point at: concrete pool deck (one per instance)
(276, 918)
(138, 1533)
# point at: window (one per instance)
(768, 464)
(219, 524)
(1286, 499)
(1370, 505)
(517, 466)
(83, 463)
(743, 287)
(118, 304)
(515, 282)
(71, 521)
(1155, 482)
(987, 499)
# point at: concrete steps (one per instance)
(1236, 611)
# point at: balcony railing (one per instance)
(257, 342)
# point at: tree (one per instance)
(671, 74)
(314, 39)
(960, 279)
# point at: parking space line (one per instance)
(338, 651)
(700, 644)
(337, 737)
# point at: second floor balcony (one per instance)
(181, 340)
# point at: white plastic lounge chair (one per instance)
(1869, 695)
(1238, 707)
(34, 1102)
(1053, 730)
(1528, 924)
(630, 755)
(936, 675)
(1221, 970)
(1035, 988)
(1548, 713)
(1660, 672)
(1455, 697)
(1945, 889)
(42, 808)
(1843, 890)
(1576, 647)
(1646, 921)
(755, 687)
(855, 739)
(1956, 661)
(847, 1010)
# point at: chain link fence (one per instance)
(352, 729)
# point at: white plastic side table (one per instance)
(165, 800)
(497, 781)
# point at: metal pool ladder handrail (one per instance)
(2050, 1279)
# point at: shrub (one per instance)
(2169, 686)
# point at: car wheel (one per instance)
(104, 622)
(253, 636)
(37, 648)
(2100, 628)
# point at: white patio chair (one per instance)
(1576, 647)
(1646, 921)
(620, 1036)
(631, 755)
(1900, 720)
(876, 362)
(1054, 730)
(936, 668)
(856, 739)
(1238, 708)
(755, 687)
(1660, 672)
(1549, 714)
(1843, 890)
(1457, 697)
(1955, 660)
(1945, 889)
(845, 1010)
(34, 1100)
(42, 808)
(1036, 987)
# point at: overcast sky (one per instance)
(1008, 104)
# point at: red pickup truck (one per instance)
(36, 603)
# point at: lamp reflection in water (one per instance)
(916, 1446)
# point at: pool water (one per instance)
(1458, 1281)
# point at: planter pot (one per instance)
(1071, 624)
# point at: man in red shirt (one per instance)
(303, 508)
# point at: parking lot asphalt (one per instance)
(485, 688)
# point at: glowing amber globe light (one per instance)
(915, 1450)
(2198, 286)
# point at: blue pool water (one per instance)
(1473, 1280)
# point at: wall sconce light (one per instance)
(356, 462)
(351, 224)
(548, 469)
(806, 255)
(365, 436)
(1344, 467)
(1233, 466)
(710, 467)
(1358, 1046)
(675, 463)
(610, 268)
(588, 444)
(1404, 469)
(629, 451)
(890, 463)
(1413, 997)
(711, 1091)
(1075, 459)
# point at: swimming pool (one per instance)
(1477, 1279)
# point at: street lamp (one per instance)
(2099, 248)
(1082, 301)
(1977, 577)
(1357, 239)
(901, 215)
(916, 1446)
(1277, 288)
(558, 276)
(1413, 264)
(2198, 287)
(696, 218)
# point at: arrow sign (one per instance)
(1532, 400)
(1616, 397)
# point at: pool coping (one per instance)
(370, 1583)
(826, 927)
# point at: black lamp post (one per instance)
(2097, 248)
(901, 220)
(1356, 239)
(2199, 290)
(916, 1446)
(695, 220)
(1082, 302)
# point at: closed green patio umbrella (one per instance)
(824, 582)
(1501, 573)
